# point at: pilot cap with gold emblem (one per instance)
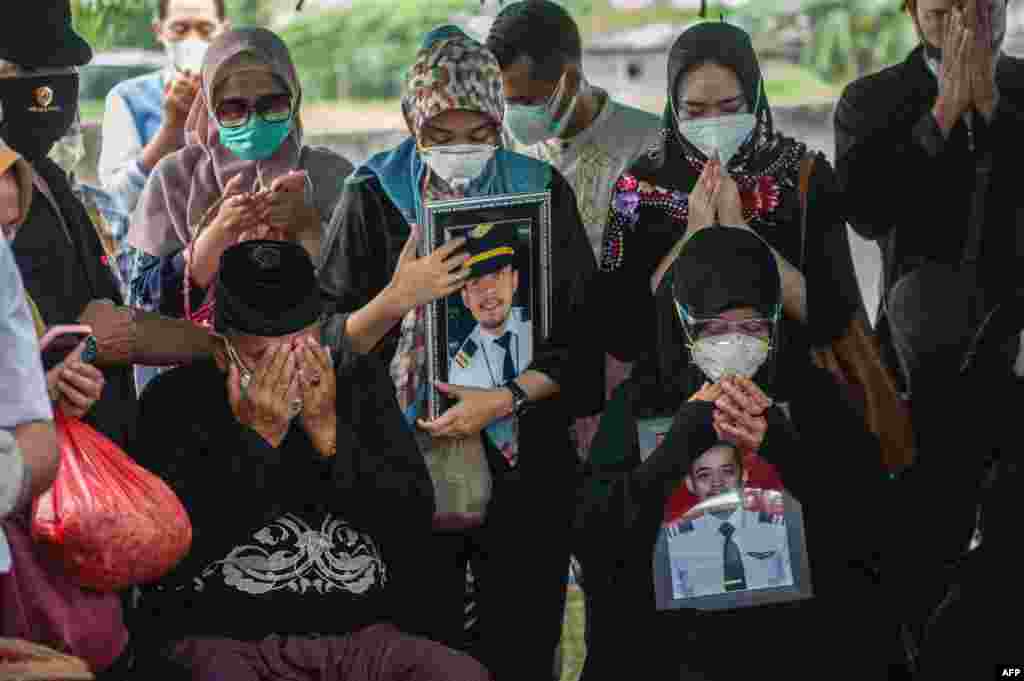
(266, 288)
(490, 246)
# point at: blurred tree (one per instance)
(251, 12)
(366, 48)
(114, 23)
(848, 38)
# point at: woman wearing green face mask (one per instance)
(245, 173)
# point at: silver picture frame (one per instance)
(443, 219)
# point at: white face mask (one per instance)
(731, 354)
(722, 134)
(188, 54)
(531, 124)
(458, 164)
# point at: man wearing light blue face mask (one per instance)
(555, 115)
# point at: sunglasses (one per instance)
(236, 111)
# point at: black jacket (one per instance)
(911, 190)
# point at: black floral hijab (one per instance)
(766, 167)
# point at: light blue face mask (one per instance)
(529, 124)
(722, 135)
(257, 140)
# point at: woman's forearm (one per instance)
(537, 386)
(309, 236)
(204, 255)
(369, 324)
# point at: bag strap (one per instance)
(806, 166)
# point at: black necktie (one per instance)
(509, 369)
(735, 577)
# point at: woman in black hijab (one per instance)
(718, 131)
(822, 451)
(721, 162)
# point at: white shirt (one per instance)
(23, 397)
(593, 160)
(484, 367)
(697, 555)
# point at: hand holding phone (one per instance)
(62, 339)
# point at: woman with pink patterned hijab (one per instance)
(244, 173)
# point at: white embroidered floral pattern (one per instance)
(290, 554)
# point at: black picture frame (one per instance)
(800, 589)
(446, 220)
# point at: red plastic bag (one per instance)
(109, 522)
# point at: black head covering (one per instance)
(40, 35)
(729, 46)
(718, 268)
(766, 168)
(722, 268)
(490, 247)
(266, 288)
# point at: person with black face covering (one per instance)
(55, 245)
(753, 390)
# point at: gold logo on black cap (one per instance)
(267, 257)
(43, 97)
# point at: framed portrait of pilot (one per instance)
(483, 335)
(731, 537)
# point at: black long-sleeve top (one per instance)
(828, 462)
(901, 177)
(284, 541)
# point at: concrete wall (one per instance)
(611, 71)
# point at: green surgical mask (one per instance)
(257, 140)
(531, 124)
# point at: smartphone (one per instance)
(61, 340)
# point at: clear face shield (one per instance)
(729, 347)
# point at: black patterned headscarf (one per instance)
(766, 168)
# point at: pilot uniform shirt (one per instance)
(697, 553)
(480, 359)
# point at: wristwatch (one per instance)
(519, 398)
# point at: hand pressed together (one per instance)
(738, 417)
